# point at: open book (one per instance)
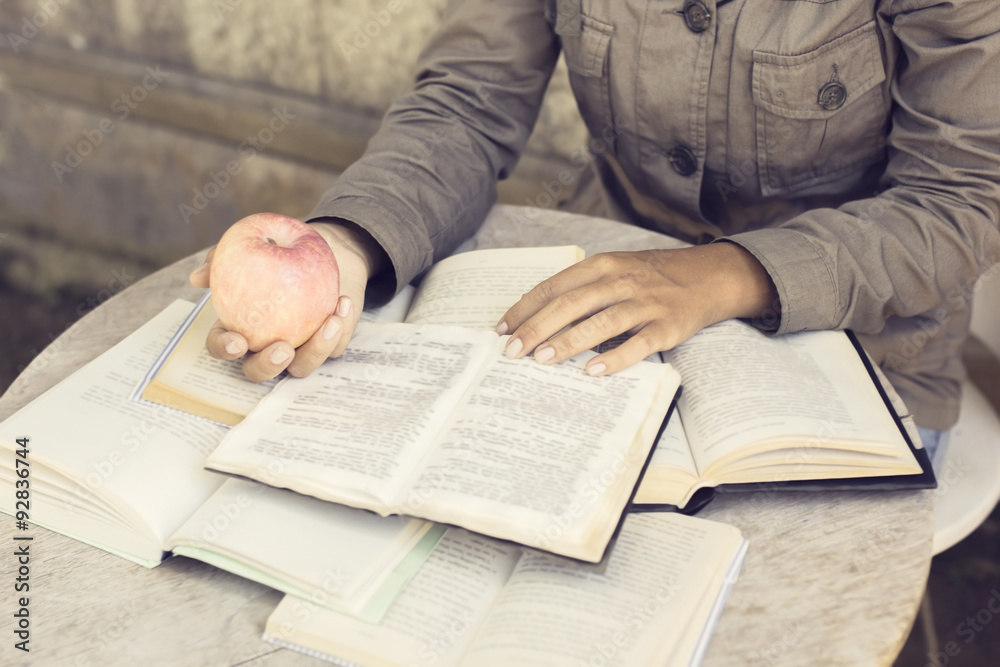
(802, 410)
(130, 479)
(431, 420)
(186, 377)
(471, 289)
(482, 603)
(435, 422)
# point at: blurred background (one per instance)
(132, 133)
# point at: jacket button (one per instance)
(682, 160)
(832, 95)
(696, 15)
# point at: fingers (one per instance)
(642, 344)
(199, 276)
(225, 344)
(257, 366)
(311, 354)
(349, 318)
(269, 362)
(358, 255)
(329, 341)
(661, 297)
(597, 300)
(589, 333)
(543, 294)
(593, 299)
(645, 338)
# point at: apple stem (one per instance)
(271, 241)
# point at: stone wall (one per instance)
(143, 129)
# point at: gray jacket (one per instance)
(853, 146)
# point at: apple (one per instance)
(273, 278)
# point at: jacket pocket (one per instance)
(820, 115)
(587, 57)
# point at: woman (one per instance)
(834, 161)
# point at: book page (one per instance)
(432, 621)
(743, 389)
(394, 311)
(188, 378)
(545, 455)
(635, 611)
(474, 289)
(356, 428)
(672, 471)
(693, 644)
(672, 448)
(329, 553)
(141, 460)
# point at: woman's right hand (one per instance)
(358, 257)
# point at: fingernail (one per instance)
(279, 355)
(596, 369)
(501, 328)
(234, 347)
(331, 329)
(513, 348)
(201, 269)
(545, 354)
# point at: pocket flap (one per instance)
(790, 86)
(586, 54)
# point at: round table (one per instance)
(829, 579)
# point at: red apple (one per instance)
(273, 278)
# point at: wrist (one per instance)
(749, 292)
(340, 233)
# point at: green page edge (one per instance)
(376, 606)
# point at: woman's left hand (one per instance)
(660, 297)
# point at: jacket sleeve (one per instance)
(933, 227)
(428, 177)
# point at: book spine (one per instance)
(281, 643)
